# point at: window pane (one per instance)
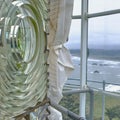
(71, 102)
(77, 7)
(74, 45)
(104, 49)
(103, 5)
(74, 36)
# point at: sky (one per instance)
(104, 32)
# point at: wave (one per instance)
(97, 62)
(113, 88)
(104, 62)
(76, 58)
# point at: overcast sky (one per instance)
(103, 31)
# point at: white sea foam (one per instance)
(76, 58)
(97, 62)
(104, 62)
(113, 88)
(94, 60)
(111, 62)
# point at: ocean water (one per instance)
(98, 71)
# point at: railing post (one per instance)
(103, 101)
(91, 111)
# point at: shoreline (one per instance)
(98, 58)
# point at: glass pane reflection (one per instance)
(103, 5)
(104, 50)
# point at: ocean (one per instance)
(99, 70)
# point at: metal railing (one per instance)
(74, 89)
